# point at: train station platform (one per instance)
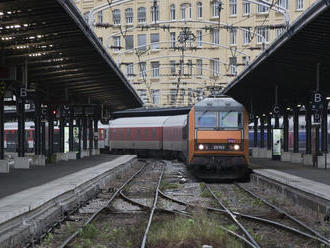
(304, 184)
(31, 199)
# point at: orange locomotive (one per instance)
(213, 137)
(218, 136)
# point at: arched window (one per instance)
(116, 16)
(142, 15)
(199, 10)
(154, 13)
(129, 15)
(186, 11)
(172, 12)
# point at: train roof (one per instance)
(155, 121)
(175, 120)
(219, 102)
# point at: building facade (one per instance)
(176, 52)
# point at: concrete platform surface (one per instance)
(68, 177)
(299, 170)
(20, 179)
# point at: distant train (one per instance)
(301, 130)
(213, 136)
(10, 137)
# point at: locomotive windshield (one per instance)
(206, 119)
(218, 120)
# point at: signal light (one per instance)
(54, 112)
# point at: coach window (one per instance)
(146, 133)
(153, 132)
(114, 133)
(138, 133)
(230, 120)
(128, 132)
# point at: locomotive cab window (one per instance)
(230, 120)
(206, 119)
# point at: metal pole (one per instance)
(286, 132)
(2, 151)
(296, 130)
(79, 136)
(37, 129)
(96, 134)
(43, 138)
(71, 134)
(62, 125)
(262, 132)
(84, 133)
(255, 134)
(91, 134)
(308, 129)
(269, 132)
(50, 133)
(324, 130)
(21, 126)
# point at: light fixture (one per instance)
(299, 105)
(328, 98)
(236, 147)
(201, 147)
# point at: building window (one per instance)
(129, 15)
(199, 38)
(86, 16)
(262, 8)
(172, 67)
(182, 94)
(116, 16)
(283, 3)
(156, 97)
(233, 65)
(199, 67)
(279, 31)
(199, 10)
(172, 39)
(215, 37)
(246, 36)
(100, 17)
(246, 60)
(189, 65)
(299, 4)
(141, 15)
(142, 42)
(155, 69)
(116, 43)
(184, 8)
(154, 14)
(215, 9)
(215, 67)
(246, 7)
(181, 68)
(172, 12)
(143, 95)
(100, 39)
(143, 69)
(263, 35)
(129, 42)
(173, 96)
(232, 36)
(233, 7)
(130, 70)
(154, 40)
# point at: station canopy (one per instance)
(65, 60)
(290, 63)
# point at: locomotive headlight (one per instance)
(236, 147)
(201, 147)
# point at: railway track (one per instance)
(142, 191)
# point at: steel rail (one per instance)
(294, 219)
(233, 217)
(238, 236)
(144, 240)
(69, 239)
(250, 217)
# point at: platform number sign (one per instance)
(317, 101)
(276, 110)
